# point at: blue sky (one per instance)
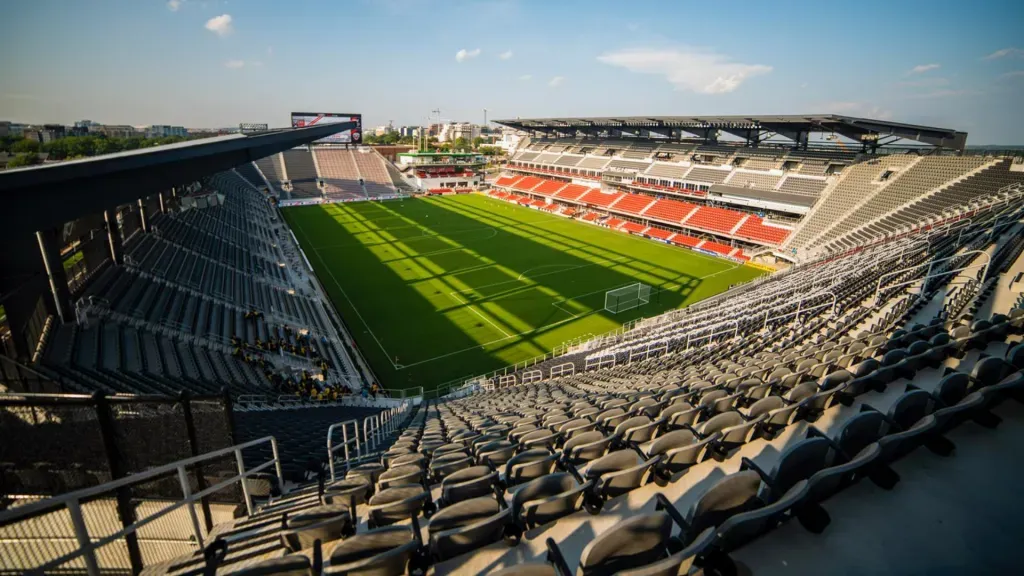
(219, 62)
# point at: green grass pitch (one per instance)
(439, 289)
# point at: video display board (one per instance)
(353, 136)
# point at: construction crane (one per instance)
(834, 138)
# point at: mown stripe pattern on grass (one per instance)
(441, 288)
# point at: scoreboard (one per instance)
(353, 136)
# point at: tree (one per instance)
(7, 141)
(370, 139)
(25, 146)
(491, 151)
(461, 143)
(57, 149)
(24, 159)
(477, 142)
(109, 145)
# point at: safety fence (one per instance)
(109, 528)
(360, 440)
(388, 399)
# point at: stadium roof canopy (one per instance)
(754, 129)
(46, 196)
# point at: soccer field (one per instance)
(436, 289)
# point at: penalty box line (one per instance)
(473, 309)
(557, 304)
(511, 280)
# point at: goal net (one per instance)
(627, 298)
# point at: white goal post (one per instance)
(627, 298)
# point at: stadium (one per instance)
(686, 340)
(637, 348)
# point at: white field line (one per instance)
(510, 280)
(350, 303)
(494, 233)
(558, 304)
(477, 312)
(507, 336)
(528, 270)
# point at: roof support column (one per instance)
(49, 248)
(114, 237)
(143, 218)
(802, 138)
(163, 209)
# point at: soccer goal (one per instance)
(627, 297)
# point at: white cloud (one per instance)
(256, 63)
(922, 68)
(270, 50)
(803, 85)
(234, 64)
(841, 106)
(851, 108)
(924, 83)
(505, 55)
(174, 5)
(556, 81)
(633, 27)
(944, 93)
(686, 68)
(1014, 74)
(526, 77)
(1004, 53)
(220, 25)
(16, 96)
(463, 55)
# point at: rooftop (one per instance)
(789, 126)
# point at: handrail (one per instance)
(799, 307)
(345, 443)
(57, 399)
(72, 502)
(371, 427)
(928, 275)
(20, 366)
(735, 332)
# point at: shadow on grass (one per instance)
(438, 287)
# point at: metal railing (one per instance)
(346, 442)
(371, 432)
(566, 369)
(17, 377)
(607, 361)
(532, 376)
(928, 274)
(800, 307)
(100, 552)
